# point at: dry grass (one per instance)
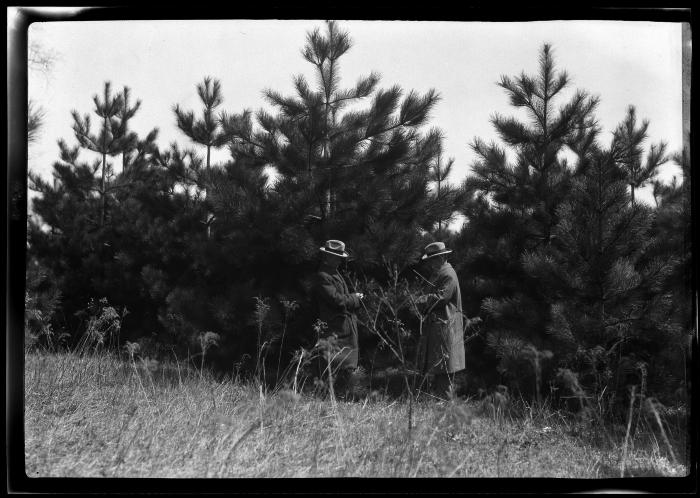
(99, 416)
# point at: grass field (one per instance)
(98, 416)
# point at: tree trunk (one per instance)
(437, 196)
(206, 181)
(102, 189)
(325, 154)
(104, 165)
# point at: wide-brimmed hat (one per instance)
(435, 249)
(335, 247)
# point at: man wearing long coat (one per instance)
(336, 308)
(441, 346)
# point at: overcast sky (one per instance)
(623, 62)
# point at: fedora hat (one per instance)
(335, 247)
(435, 249)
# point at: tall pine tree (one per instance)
(511, 207)
(359, 174)
(608, 307)
(88, 244)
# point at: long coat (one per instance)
(441, 347)
(336, 306)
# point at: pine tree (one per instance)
(95, 252)
(511, 206)
(630, 141)
(205, 131)
(110, 139)
(64, 233)
(672, 233)
(352, 173)
(160, 239)
(609, 310)
(341, 170)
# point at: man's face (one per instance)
(433, 264)
(332, 261)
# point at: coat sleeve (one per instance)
(446, 285)
(329, 293)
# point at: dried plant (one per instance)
(288, 306)
(102, 328)
(262, 310)
(206, 341)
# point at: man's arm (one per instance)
(336, 299)
(446, 286)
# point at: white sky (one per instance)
(623, 62)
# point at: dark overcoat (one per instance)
(441, 346)
(336, 307)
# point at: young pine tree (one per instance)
(511, 207)
(629, 139)
(608, 307)
(206, 131)
(111, 139)
(359, 173)
(672, 232)
(91, 247)
(64, 230)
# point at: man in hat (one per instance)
(441, 347)
(336, 307)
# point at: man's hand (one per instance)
(426, 298)
(360, 295)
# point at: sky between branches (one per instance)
(624, 62)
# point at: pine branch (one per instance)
(210, 93)
(35, 121)
(511, 131)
